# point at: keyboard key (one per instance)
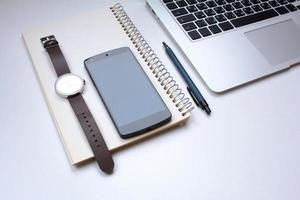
(209, 12)
(246, 2)
(211, 20)
(190, 2)
(181, 3)
(291, 7)
(204, 32)
(201, 23)
(237, 5)
(180, 11)
(186, 18)
(214, 29)
(225, 26)
(281, 10)
(200, 14)
(228, 7)
(282, 2)
(230, 1)
(257, 8)
(194, 35)
(171, 6)
(192, 8)
(274, 3)
(257, 1)
(248, 10)
(201, 6)
(220, 18)
(265, 6)
(211, 4)
(167, 1)
(219, 9)
(230, 15)
(220, 2)
(254, 18)
(239, 13)
(189, 26)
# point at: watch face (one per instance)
(68, 85)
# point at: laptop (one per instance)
(233, 42)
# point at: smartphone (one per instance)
(132, 101)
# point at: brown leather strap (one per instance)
(81, 110)
(92, 132)
(57, 58)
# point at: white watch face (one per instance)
(68, 85)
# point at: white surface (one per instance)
(248, 149)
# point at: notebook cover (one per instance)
(81, 37)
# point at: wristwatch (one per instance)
(71, 86)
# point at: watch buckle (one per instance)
(49, 41)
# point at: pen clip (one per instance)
(193, 97)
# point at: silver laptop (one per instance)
(232, 42)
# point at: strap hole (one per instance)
(87, 121)
(83, 113)
(96, 140)
(94, 135)
(89, 125)
(98, 145)
(91, 130)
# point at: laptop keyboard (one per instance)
(203, 18)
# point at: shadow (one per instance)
(149, 138)
(145, 139)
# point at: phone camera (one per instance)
(106, 54)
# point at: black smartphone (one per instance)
(128, 94)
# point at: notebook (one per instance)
(81, 37)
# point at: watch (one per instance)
(70, 86)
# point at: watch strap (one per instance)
(92, 132)
(59, 62)
(80, 108)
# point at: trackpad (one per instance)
(278, 43)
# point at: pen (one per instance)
(191, 87)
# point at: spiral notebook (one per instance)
(90, 34)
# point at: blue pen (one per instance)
(193, 90)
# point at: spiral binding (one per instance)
(158, 69)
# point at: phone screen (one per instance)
(129, 96)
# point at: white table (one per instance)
(248, 149)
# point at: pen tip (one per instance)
(165, 45)
(207, 110)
